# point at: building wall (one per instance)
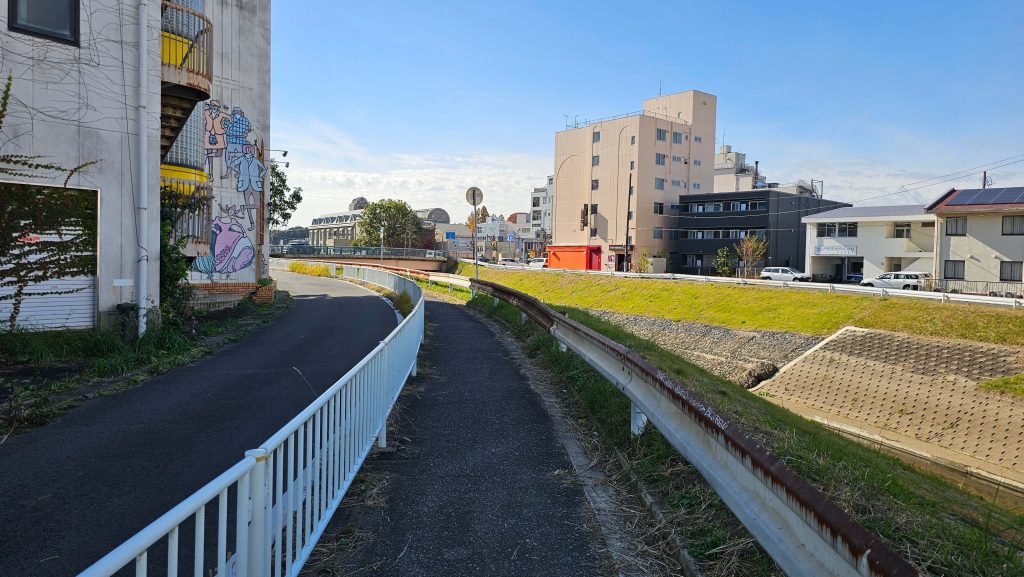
(982, 249)
(241, 69)
(874, 246)
(68, 104)
(690, 114)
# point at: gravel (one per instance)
(744, 357)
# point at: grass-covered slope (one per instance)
(754, 307)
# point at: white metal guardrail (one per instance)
(804, 532)
(263, 516)
(1015, 303)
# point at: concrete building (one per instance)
(980, 245)
(707, 222)
(733, 174)
(460, 246)
(342, 228)
(541, 206)
(869, 241)
(190, 116)
(616, 176)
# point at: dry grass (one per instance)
(310, 269)
(753, 307)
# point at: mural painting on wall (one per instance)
(231, 250)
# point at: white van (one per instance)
(906, 280)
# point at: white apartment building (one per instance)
(618, 177)
(541, 201)
(189, 115)
(980, 245)
(869, 240)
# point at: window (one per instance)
(1011, 270)
(954, 269)
(697, 139)
(632, 139)
(1013, 225)
(834, 229)
(629, 215)
(696, 162)
(661, 134)
(659, 232)
(536, 215)
(53, 19)
(631, 189)
(659, 159)
(677, 159)
(677, 183)
(595, 160)
(928, 225)
(536, 201)
(597, 136)
(956, 226)
(659, 184)
(901, 230)
(632, 164)
(696, 185)
(659, 208)
(677, 138)
(593, 184)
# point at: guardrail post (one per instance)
(333, 269)
(561, 346)
(831, 288)
(522, 318)
(637, 420)
(258, 552)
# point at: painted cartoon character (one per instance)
(231, 250)
(238, 129)
(214, 139)
(250, 172)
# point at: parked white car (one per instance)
(508, 262)
(538, 262)
(783, 273)
(906, 280)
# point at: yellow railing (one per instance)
(186, 46)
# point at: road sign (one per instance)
(474, 196)
(511, 238)
(449, 235)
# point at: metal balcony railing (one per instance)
(192, 203)
(1006, 289)
(186, 46)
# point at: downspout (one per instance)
(142, 193)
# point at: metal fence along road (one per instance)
(355, 251)
(804, 532)
(954, 297)
(263, 516)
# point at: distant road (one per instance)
(74, 489)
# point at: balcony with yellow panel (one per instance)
(186, 65)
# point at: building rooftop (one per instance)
(861, 212)
(980, 200)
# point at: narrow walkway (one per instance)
(78, 487)
(479, 484)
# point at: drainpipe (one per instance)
(142, 192)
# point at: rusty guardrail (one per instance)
(804, 532)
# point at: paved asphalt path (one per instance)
(76, 488)
(480, 484)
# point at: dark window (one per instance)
(593, 209)
(632, 139)
(661, 134)
(536, 201)
(1013, 225)
(659, 159)
(659, 232)
(597, 136)
(954, 269)
(659, 208)
(659, 184)
(595, 160)
(1011, 271)
(53, 19)
(901, 230)
(593, 184)
(956, 226)
(677, 138)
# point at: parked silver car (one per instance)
(784, 273)
(538, 262)
(906, 280)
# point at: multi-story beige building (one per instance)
(618, 178)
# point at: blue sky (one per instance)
(419, 100)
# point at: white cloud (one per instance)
(332, 170)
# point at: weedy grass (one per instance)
(754, 307)
(1013, 385)
(310, 269)
(939, 528)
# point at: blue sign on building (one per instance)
(449, 235)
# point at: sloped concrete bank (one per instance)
(744, 357)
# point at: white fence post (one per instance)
(637, 420)
(258, 555)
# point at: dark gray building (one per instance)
(707, 222)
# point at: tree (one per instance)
(725, 264)
(400, 223)
(643, 264)
(751, 250)
(482, 216)
(283, 199)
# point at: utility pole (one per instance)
(984, 179)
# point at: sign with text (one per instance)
(835, 250)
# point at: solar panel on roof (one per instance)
(1012, 195)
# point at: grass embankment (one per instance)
(41, 372)
(1013, 385)
(753, 307)
(939, 528)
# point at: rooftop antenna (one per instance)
(566, 121)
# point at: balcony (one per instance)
(186, 66)
(190, 204)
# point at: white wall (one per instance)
(874, 243)
(982, 249)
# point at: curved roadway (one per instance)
(76, 488)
